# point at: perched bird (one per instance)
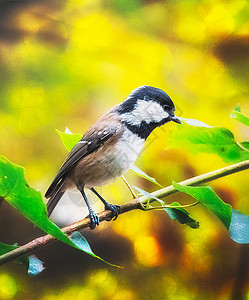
(111, 146)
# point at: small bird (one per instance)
(111, 146)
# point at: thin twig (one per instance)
(131, 205)
(169, 206)
(169, 190)
(134, 195)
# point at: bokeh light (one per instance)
(63, 64)
(8, 288)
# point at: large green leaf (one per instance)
(32, 263)
(236, 222)
(15, 190)
(206, 196)
(199, 137)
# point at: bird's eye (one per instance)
(166, 107)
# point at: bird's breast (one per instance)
(110, 161)
(126, 151)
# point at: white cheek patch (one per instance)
(147, 111)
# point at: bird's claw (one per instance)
(94, 219)
(115, 209)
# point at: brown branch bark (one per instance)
(131, 205)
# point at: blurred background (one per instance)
(65, 62)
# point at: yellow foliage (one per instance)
(63, 64)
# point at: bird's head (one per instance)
(145, 109)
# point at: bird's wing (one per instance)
(91, 141)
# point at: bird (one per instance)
(111, 146)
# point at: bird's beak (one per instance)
(176, 119)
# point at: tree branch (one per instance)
(131, 205)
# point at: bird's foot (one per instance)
(115, 209)
(94, 219)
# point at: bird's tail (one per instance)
(55, 195)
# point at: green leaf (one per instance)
(237, 108)
(199, 137)
(194, 122)
(146, 204)
(68, 138)
(35, 266)
(236, 114)
(245, 145)
(239, 227)
(82, 243)
(144, 175)
(206, 196)
(4, 248)
(179, 214)
(15, 190)
(32, 263)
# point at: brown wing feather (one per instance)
(90, 142)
